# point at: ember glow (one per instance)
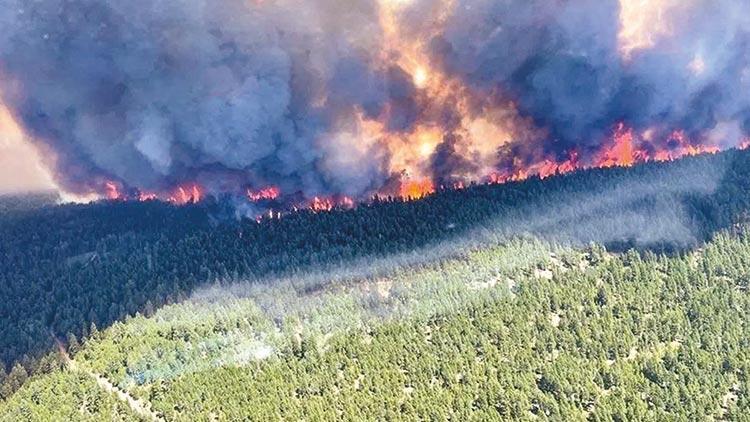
(628, 148)
(319, 104)
(324, 204)
(266, 194)
(321, 204)
(190, 193)
(416, 189)
(113, 191)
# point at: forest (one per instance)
(72, 271)
(523, 331)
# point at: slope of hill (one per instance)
(20, 203)
(518, 331)
(73, 268)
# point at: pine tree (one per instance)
(15, 379)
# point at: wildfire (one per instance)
(182, 195)
(321, 204)
(112, 191)
(621, 152)
(147, 196)
(186, 194)
(416, 189)
(478, 126)
(458, 124)
(347, 202)
(324, 204)
(266, 194)
(627, 148)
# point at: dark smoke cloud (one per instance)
(155, 92)
(562, 61)
(151, 92)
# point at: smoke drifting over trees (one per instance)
(326, 97)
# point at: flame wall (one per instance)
(356, 97)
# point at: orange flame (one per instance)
(324, 204)
(416, 189)
(479, 127)
(622, 152)
(321, 204)
(186, 194)
(112, 191)
(266, 194)
(628, 148)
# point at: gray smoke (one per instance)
(154, 92)
(563, 63)
(233, 93)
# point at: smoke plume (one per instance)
(354, 98)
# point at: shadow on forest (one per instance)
(72, 266)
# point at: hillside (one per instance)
(194, 312)
(520, 331)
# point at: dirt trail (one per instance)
(138, 406)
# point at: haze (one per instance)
(20, 165)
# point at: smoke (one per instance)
(154, 92)
(323, 97)
(265, 318)
(573, 68)
(19, 168)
